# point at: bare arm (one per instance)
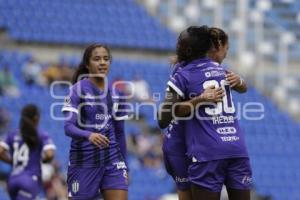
(184, 108)
(4, 156)
(236, 82)
(48, 155)
(165, 108)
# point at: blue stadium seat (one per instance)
(126, 25)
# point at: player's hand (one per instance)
(212, 94)
(233, 79)
(99, 140)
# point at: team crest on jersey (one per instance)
(67, 101)
(75, 186)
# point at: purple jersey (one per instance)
(96, 110)
(26, 160)
(213, 133)
(174, 140)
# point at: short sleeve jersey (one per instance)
(26, 160)
(213, 132)
(174, 140)
(96, 110)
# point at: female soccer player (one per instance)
(96, 160)
(25, 148)
(214, 140)
(174, 146)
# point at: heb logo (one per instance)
(120, 165)
(226, 130)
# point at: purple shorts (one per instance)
(24, 186)
(234, 173)
(177, 167)
(86, 183)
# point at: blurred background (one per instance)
(42, 42)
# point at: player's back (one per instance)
(26, 159)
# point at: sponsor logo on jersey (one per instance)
(247, 180)
(217, 73)
(207, 74)
(120, 165)
(230, 138)
(226, 130)
(181, 179)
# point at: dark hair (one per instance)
(193, 43)
(27, 127)
(218, 37)
(82, 68)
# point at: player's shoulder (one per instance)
(78, 89)
(177, 67)
(43, 133)
(79, 84)
(183, 71)
(12, 133)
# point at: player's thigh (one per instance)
(239, 174)
(201, 193)
(235, 194)
(114, 184)
(115, 194)
(177, 167)
(208, 176)
(24, 186)
(185, 194)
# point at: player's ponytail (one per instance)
(218, 37)
(193, 43)
(82, 68)
(29, 116)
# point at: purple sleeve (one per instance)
(120, 136)
(71, 128)
(121, 113)
(71, 102)
(121, 107)
(47, 142)
(70, 110)
(178, 83)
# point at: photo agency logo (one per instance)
(100, 106)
